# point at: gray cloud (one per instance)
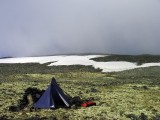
(43, 27)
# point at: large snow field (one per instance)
(79, 60)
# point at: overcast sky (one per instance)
(48, 27)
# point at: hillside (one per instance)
(139, 59)
(131, 94)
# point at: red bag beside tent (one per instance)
(87, 104)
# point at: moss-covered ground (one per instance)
(127, 95)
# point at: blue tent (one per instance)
(53, 97)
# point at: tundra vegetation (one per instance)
(131, 94)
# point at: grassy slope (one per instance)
(139, 59)
(121, 95)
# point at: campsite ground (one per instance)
(132, 94)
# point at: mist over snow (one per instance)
(48, 27)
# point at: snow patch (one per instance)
(111, 66)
